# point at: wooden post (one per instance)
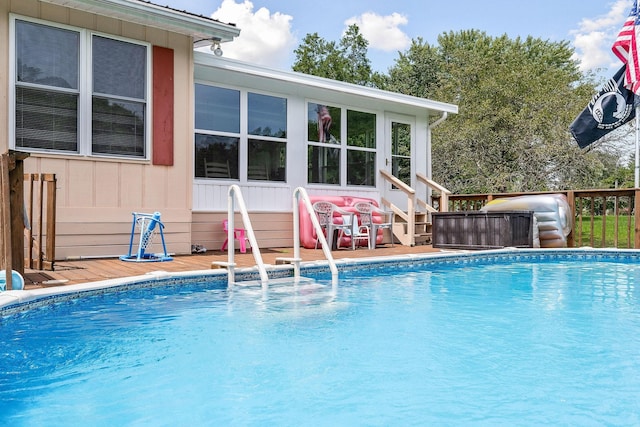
(12, 213)
(5, 190)
(50, 253)
(16, 181)
(571, 199)
(29, 179)
(40, 219)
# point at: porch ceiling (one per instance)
(145, 13)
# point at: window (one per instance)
(46, 87)
(401, 151)
(217, 109)
(222, 135)
(118, 108)
(361, 148)
(324, 133)
(51, 86)
(326, 151)
(267, 115)
(218, 132)
(267, 122)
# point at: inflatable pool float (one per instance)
(17, 281)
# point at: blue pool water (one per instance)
(526, 343)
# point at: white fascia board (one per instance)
(149, 14)
(301, 79)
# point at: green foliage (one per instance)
(516, 98)
(346, 61)
(416, 72)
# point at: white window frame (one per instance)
(85, 91)
(343, 146)
(243, 138)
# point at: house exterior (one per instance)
(112, 97)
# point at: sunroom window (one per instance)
(267, 126)
(361, 148)
(326, 151)
(225, 129)
(64, 107)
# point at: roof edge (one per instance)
(208, 60)
(153, 15)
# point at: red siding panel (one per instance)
(163, 106)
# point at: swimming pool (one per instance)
(512, 337)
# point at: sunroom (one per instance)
(270, 131)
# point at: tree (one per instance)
(346, 61)
(516, 100)
(416, 71)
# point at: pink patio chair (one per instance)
(238, 233)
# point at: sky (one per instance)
(272, 29)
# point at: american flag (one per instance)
(626, 48)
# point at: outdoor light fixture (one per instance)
(215, 47)
(213, 43)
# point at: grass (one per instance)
(624, 240)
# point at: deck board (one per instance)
(96, 269)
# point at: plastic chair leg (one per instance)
(373, 238)
(240, 236)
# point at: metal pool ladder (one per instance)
(235, 194)
(301, 194)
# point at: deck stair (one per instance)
(421, 229)
(412, 225)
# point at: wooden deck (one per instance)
(93, 270)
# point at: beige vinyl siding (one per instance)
(272, 229)
(96, 196)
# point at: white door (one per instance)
(399, 147)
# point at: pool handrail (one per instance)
(301, 194)
(234, 190)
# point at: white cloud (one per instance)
(594, 37)
(593, 50)
(265, 38)
(382, 32)
(616, 16)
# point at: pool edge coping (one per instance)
(15, 301)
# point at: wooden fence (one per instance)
(41, 211)
(16, 216)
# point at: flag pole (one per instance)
(637, 169)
